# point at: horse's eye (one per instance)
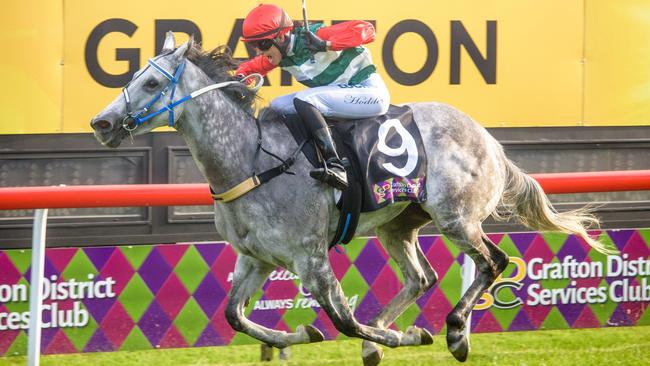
(151, 83)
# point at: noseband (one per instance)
(134, 119)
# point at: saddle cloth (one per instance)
(386, 162)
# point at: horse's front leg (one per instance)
(317, 276)
(249, 276)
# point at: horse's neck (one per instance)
(222, 139)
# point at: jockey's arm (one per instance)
(348, 34)
(259, 64)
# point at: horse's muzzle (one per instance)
(101, 125)
(106, 122)
(107, 127)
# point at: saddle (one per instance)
(384, 159)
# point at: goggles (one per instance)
(262, 44)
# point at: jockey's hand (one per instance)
(313, 42)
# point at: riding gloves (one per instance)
(313, 42)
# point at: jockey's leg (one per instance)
(367, 99)
(284, 104)
(333, 173)
(370, 98)
(249, 275)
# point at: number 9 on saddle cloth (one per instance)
(386, 163)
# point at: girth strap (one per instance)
(256, 180)
(237, 191)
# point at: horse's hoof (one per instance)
(425, 337)
(313, 333)
(371, 354)
(459, 349)
(421, 335)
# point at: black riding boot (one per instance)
(333, 172)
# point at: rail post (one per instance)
(36, 287)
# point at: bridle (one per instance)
(134, 119)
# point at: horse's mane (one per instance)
(218, 64)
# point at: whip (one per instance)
(304, 18)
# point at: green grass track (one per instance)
(604, 346)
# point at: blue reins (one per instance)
(134, 119)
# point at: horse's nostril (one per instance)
(101, 124)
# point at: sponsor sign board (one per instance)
(163, 296)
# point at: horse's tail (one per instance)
(525, 201)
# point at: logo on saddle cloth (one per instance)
(387, 155)
(399, 189)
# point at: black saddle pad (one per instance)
(385, 152)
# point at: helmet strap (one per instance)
(282, 47)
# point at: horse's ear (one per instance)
(190, 42)
(182, 50)
(170, 42)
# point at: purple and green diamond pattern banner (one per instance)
(174, 295)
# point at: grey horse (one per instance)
(290, 220)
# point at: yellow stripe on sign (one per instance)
(31, 34)
(617, 74)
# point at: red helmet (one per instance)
(265, 22)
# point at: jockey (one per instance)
(331, 61)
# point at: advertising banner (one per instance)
(505, 63)
(164, 296)
(479, 59)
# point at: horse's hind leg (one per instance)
(249, 275)
(317, 276)
(399, 237)
(490, 262)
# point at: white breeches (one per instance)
(368, 99)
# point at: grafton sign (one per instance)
(62, 308)
(496, 62)
(460, 39)
(619, 273)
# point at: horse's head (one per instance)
(142, 104)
